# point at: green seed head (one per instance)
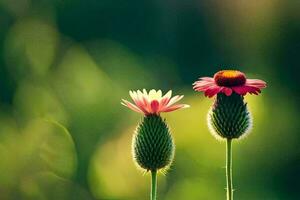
(153, 146)
(229, 117)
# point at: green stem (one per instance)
(153, 184)
(229, 169)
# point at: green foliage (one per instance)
(153, 146)
(57, 150)
(229, 117)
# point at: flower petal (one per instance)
(203, 85)
(154, 106)
(145, 104)
(212, 91)
(140, 101)
(203, 82)
(240, 90)
(243, 90)
(159, 94)
(140, 94)
(256, 82)
(175, 99)
(207, 79)
(175, 107)
(227, 91)
(152, 94)
(168, 94)
(133, 95)
(145, 93)
(165, 99)
(131, 106)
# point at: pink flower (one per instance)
(153, 102)
(228, 81)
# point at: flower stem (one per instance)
(229, 169)
(153, 184)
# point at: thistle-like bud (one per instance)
(229, 116)
(153, 146)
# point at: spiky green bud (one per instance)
(229, 117)
(153, 146)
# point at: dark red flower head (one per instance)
(228, 81)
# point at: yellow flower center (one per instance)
(230, 78)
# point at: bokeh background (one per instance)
(66, 64)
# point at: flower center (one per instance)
(230, 78)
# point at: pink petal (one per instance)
(252, 90)
(243, 90)
(227, 91)
(175, 99)
(212, 91)
(142, 104)
(202, 85)
(139, 100)
(174, 107)
(204, 81)
(207, 79)
(168, 94)
(256, 83)
(154, 106)
(131, 106)
(164, 101)
(146, 104)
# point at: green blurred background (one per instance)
(68, 63)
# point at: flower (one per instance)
(228, 81)
(153, 102)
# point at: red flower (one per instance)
(228, 81)
(153, 102)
